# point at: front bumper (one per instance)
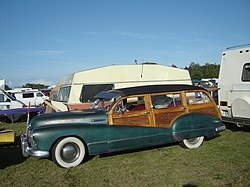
(28, 151)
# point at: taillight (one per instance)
(223, 103)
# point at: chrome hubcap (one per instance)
(194, 140)
(70, 152)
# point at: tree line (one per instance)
(29, 85)
(199, 72)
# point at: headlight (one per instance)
(31, 140)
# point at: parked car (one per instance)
(7, 101)
(124, 119)
(30, 97)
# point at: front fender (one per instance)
(45, 138)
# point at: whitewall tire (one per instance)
(68, 152)
(193, 142)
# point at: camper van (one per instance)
(29, 96)
(77, 90)
(234, 84)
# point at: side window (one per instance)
(1, 98)
(130, 104)
(246, 73)
(197, 98)
(28, 95)
(89, 91)
(166, 100)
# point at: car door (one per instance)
(166, 107)
(130, 124)
(5, 102)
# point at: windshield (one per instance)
(104, 100)
(12, 97)
(63, 94)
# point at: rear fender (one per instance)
(194, 125)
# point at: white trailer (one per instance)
(78, 89)
(30, 97)
(234, 84)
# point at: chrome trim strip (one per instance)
(134, 138)
(119, 140)
(95, 143)
(97, 120)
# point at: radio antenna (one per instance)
(141, 70)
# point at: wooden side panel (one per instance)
(210, 111)
(208, 108)
(131, 119)
(165, 118)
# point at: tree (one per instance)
(34, 86)
(206, 71)
(195, 71)
(210, 70)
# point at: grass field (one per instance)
(222, 161)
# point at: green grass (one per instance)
(222, 161)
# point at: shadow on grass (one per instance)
(137, 150)
(190, 185)
(11, 154)
(234, 127)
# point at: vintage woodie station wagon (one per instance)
(123, 119)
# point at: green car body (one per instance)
(108, 130)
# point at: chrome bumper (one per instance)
(221, 128)
(28, 151)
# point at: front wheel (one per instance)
(192, 142)
(68, 152)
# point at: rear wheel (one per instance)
(68, 152)
(193, 142)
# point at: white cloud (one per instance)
(90, 33)
(124, 33)
(197, 40)
(43, 52)
(135, 35)
(32, 53)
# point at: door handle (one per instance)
(184, 108)
(146, 112)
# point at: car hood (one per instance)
(77, 117)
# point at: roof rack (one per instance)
(238, 46)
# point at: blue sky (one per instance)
(42, 41)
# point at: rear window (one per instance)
(197, 98)
(246, 73)
(89, 91)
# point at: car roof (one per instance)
(156, 89)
